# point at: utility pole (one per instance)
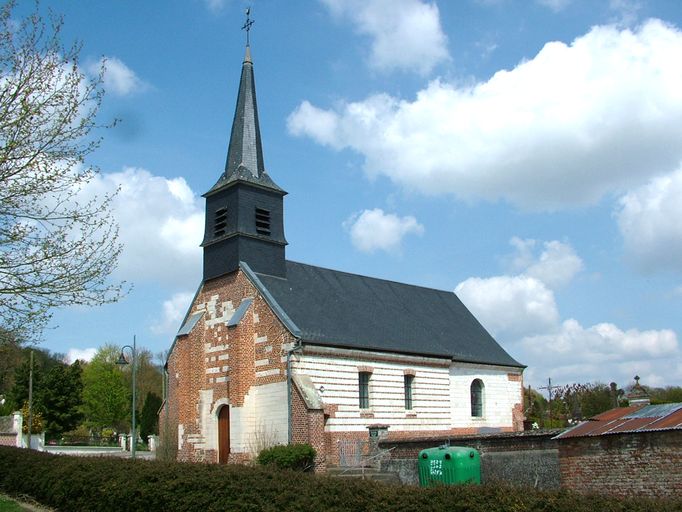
(549, 389)
(30, 401)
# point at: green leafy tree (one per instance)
(10, 358)
(668, 394)
(148, 376)
(57, 247)
(149, 418)
(106, 395)
(43, 362)
(61, 397)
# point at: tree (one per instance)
(581, 401)
(106, 396)
(57, 247)
(37, 422)
(149, 418)
(10, 358)
(148, 377)
(61, 397)
(43, 363)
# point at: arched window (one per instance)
(477, 398)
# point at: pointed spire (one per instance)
(245, 152)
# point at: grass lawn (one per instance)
(8, 505)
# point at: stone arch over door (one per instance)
(223, 434)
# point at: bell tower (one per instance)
(245, 208)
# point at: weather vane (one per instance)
(247, 24)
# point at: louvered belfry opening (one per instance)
(263, 221)
(220, 222)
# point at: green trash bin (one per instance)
(449, 465)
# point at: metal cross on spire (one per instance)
(247, 24)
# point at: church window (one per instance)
(220, 222)
(262, 221)
(409, 380)
(477, 398)
(363, 382)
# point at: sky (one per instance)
(525, 154)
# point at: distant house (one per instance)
(627, 451)
(275, 351)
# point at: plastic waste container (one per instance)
(450, 465)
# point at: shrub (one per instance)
(299, 457)
(104, 484)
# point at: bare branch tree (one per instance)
(58, 240)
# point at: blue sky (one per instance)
(526, 154)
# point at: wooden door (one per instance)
(223, 434)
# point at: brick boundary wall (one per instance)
(8, 439)
(529, 458)
(626, 464)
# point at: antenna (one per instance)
(247, 24)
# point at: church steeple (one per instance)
(245, 151)
(245, 208)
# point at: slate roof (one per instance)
(245, 152)
(329, 307)
(637, 418)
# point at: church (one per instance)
(273, 351)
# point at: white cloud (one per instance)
(372, 230)
(627, 11)
(119, 79)
(510, 306)
(174, 310)
(556, 265)
(215, 5)
(554, 5)
(85, 354)
(565, 128)
(649, 219)
(161, 224)
(603, 352)
(406, 34)
(521, 312)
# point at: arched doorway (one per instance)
(223, 434)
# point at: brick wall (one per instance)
(8, 439)
(637, 464)
(242, 367)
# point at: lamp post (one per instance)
(122, 361)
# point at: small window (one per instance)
(409, 380)
(363, 381)
(477, 398)
(262, 221)
(220, 222)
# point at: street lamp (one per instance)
(122, 361)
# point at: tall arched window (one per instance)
(477, 398)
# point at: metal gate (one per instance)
(352, 452)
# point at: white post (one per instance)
(18, 426)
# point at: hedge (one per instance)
(108, 484)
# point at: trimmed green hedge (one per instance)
(108, 484)
(299, 457)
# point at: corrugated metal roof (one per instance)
(655, 411)
(623, 420)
